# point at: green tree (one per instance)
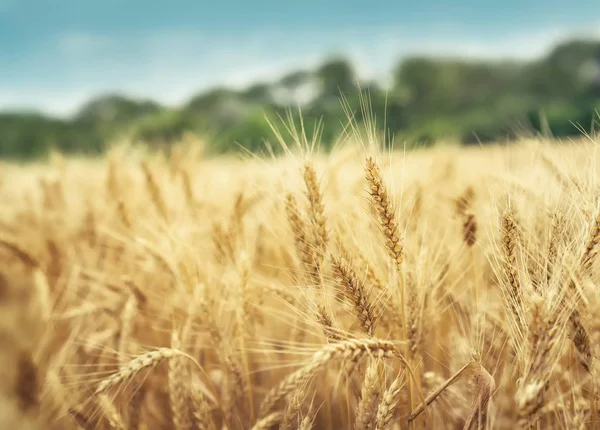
(335, 76)
(251, 134)
(207, 101)
(258, 93)
(164, 127)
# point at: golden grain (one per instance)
(279, 297)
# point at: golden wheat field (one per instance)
(447, 288)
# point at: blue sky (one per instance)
(54, 55)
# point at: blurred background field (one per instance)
(76, 77)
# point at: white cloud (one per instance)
(172, 66)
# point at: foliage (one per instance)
(430, 98)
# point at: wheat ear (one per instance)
(135, 366)
(387, 406)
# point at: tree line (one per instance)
(429, 99)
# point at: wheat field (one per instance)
(445, 288)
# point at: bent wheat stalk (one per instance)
(351, 349)
(485, 386)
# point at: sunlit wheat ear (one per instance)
(581, 339)
(147, 360)
(364, 265)
(331, 331)
(301, 240)
(201, 410)
(509, 236)
(546, 328)
(367, 407)
(414, 316)
(268, 422)
(556, 229)
(386, 211)
(470, 229)
(317, 211)
(590, 248)
(387, 405)
(356, 293)
(578, 333)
